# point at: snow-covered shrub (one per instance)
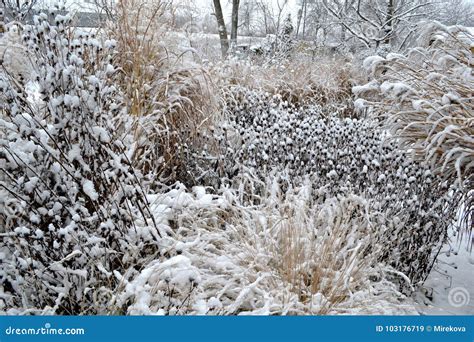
(165, 136)
(277, 48)
(70, 198)
(425, 96)
(209, 150)
(244, 90)
(288, 255)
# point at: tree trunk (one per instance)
(343, 34)
(389, 21)
(298, 21)
(221, 28)
(304, 17)
(265, 20)
(235, 22)
(2, 18)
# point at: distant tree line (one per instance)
(368, 23)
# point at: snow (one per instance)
(71, 101)
(332, 174)
(22, 231)
(451, 278)
(101, 134)
(360, 104)
(88, 188)
(30, 186)
(395, 89)
(369, 87)
(370, 63)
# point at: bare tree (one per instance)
(107, 8)
(298, 18)
(377, 21)
(389, 21)
(265, 15)
(249, 17)
(301, 17)
(312, 18)
(221, 27)
(281, 7)
(16, 10)
(455, 12)
(234, 22)
(273, 14)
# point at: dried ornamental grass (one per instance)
(426, 98)
(223, 257)
(169, 100)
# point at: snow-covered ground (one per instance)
(451, 282)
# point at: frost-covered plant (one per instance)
(138, 29)
(425, 96)
(275, 130)
(182, 109)
(244, 90)
(288, 255)
(16, 10)
(70, 198)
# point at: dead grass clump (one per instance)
(299, 82)
(323, 254)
